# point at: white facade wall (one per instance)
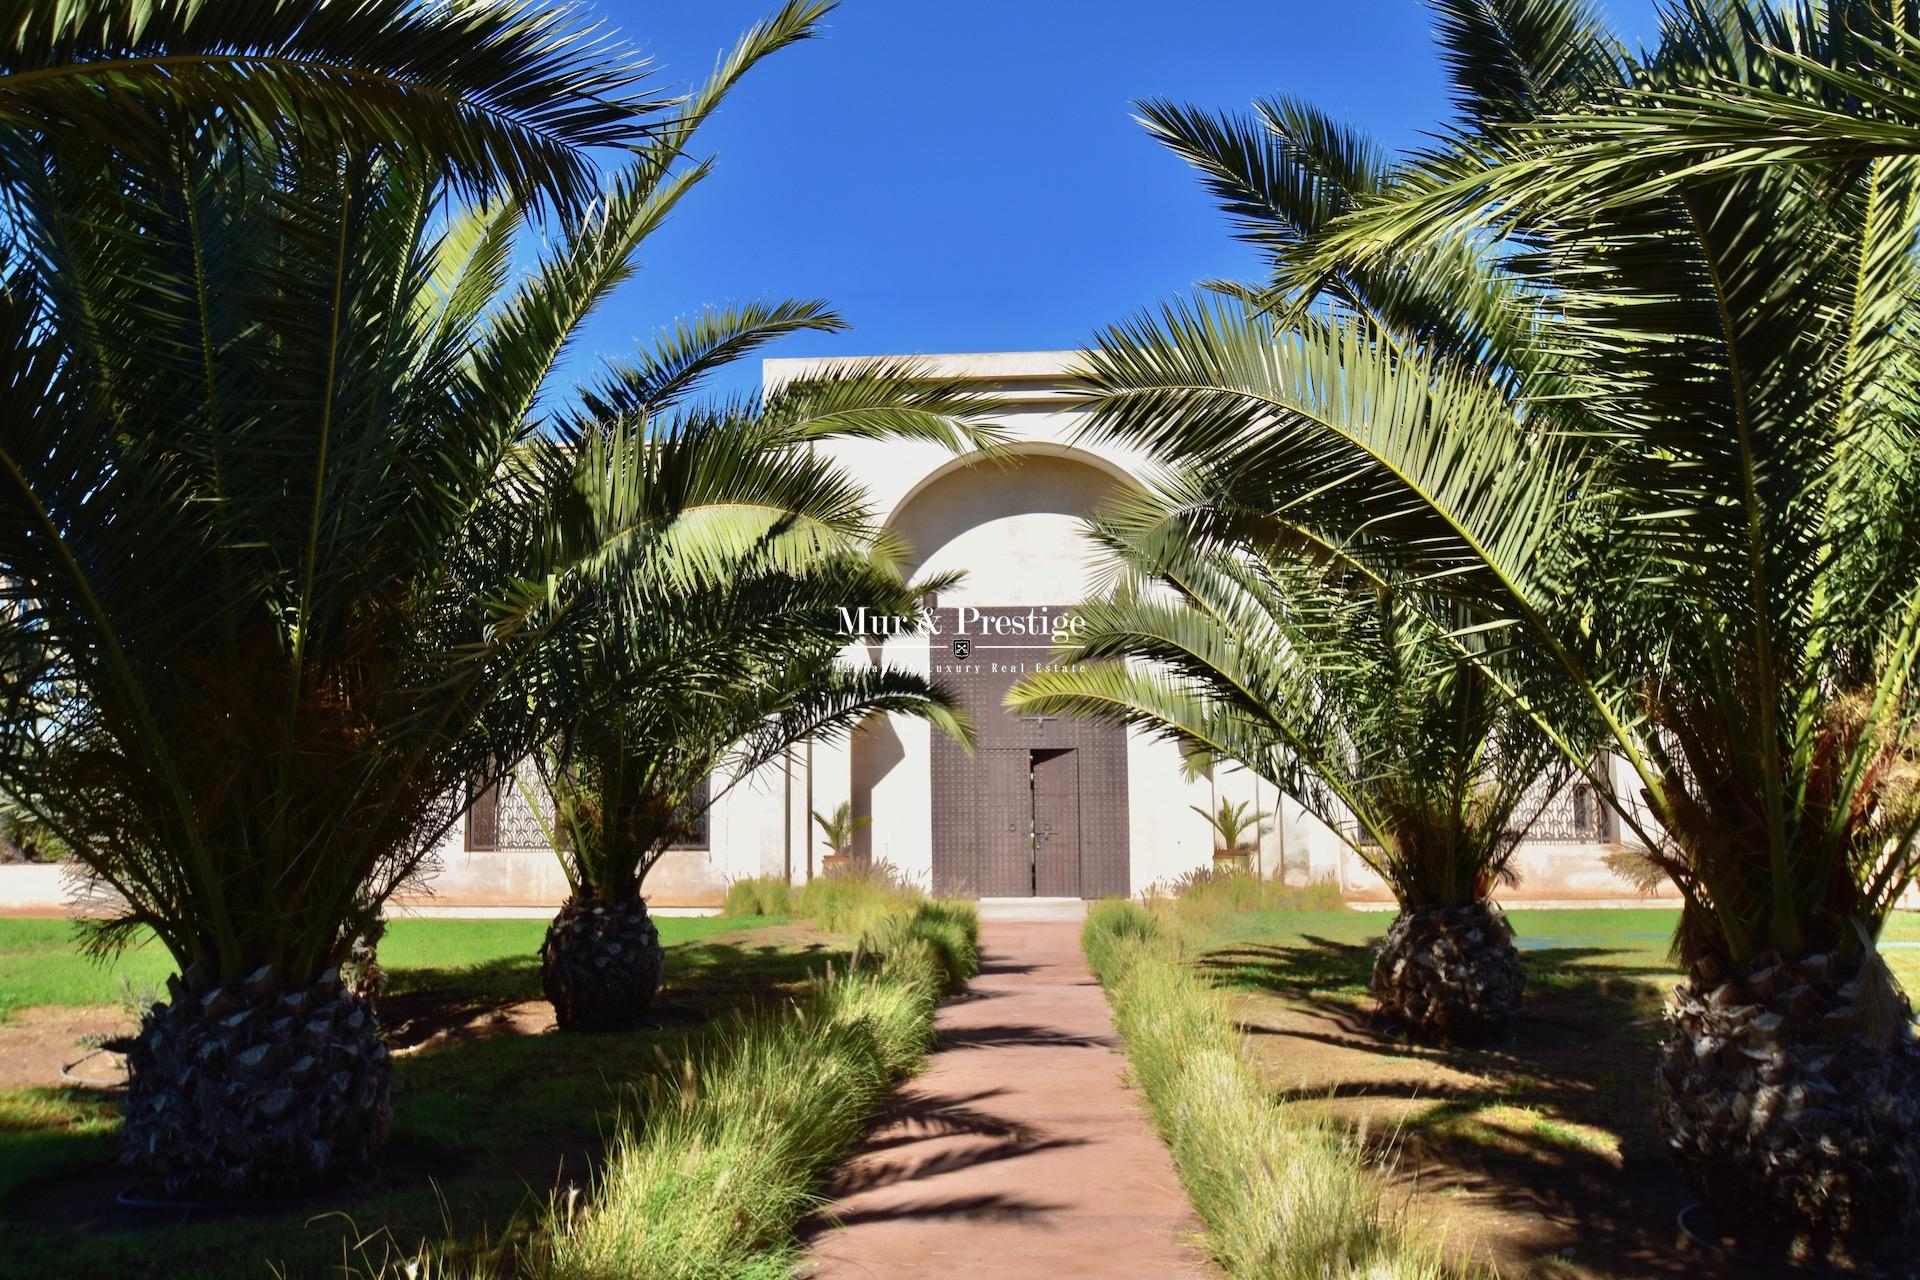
(1011, 524)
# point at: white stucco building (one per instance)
(1044, 807)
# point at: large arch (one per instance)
(1012, 453)
(1010, 520)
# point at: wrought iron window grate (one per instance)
(1576, 816)
(516, 814)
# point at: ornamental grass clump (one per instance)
(758, 896)
(870, 903)
(716, 1163)
(1207, 892)
(1282, 1196)
(950, 931)
(717, 1159)
(855, 899)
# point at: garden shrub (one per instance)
(856, 899)
(845, 900)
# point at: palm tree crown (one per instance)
(283, 531)
(1632, 405)
(505, 95)
(1342, 692)
(1664, 447)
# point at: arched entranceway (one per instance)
(1040, 807)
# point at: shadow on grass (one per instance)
(701, 978)
(1312, 965)
(46, 1133)
(486, 1127)
(1316, 965)
(1576, 1016)
(1538, 1142)
(730, 971)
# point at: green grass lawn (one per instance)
(41, 961)
(1332, 949)
(484, 1130)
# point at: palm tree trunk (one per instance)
(1790, 1097)
(602, 962)
(255, 1091)
(1449, 973)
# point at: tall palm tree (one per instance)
(699, 695)
(282, 539)
(1696, 510)
(1346, 695)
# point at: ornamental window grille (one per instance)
(1577, 815)
(515, 814)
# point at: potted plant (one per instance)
(837, 832)
(1232, 825)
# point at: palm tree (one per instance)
(1348, 697)
(282, 541)
(698, 696)
(1688, 497)
(504, 94)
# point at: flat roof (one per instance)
(1007, 366)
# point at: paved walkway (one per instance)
(1018, 1152)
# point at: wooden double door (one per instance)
(1040, 808)
(1028, 824)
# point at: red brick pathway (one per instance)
(1018, 1152)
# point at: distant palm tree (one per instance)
(1349, 698)
(285, 530)
(675, 712)
(1667, 454)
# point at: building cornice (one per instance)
(1022, 376)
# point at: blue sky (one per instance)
(965, 175)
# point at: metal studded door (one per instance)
(1077, 769)
(1056, 822)
(1005, 829)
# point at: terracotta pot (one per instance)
(830, 862)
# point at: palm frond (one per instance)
(511, 96)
